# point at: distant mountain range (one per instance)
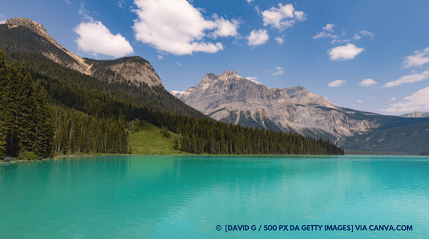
(232, 99)
(416, 114)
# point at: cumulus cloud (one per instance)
(359, 101)
(258, 37)
(408, 79)
(356, 37)
(159, 57)
(253, 79)
(393, 99)
(346, 52)
(367, 82)
(249, 1)
(94, 38)
(176, 27)
(279, 71)
(329, 27)
(417, 101)
(279, 40)
(367, 33)
(224, 27)
(418, 59)
(283, 17)
(336, 83)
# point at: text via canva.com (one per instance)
(310, 228)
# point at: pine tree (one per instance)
(4, 95)
(25, 114)
(176, 143)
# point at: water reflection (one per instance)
(162, 197)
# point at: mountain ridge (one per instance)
(233, 99)
(223, 97)
(134, 68)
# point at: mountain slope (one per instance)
(233, 99)
(130, 79)
(416, 114)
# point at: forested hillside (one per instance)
(28, 123)
(92, 111)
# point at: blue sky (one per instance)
(365, 55)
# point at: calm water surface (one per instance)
(187, 197)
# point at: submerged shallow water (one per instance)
(198, 197)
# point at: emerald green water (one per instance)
(187, 197)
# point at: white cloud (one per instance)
(346, 52)
(2, 19)
(225, 28)
(367, 82)
(174, 92)
(257, 37)
(179, 64)
(329, 27)
(176, 27)
(258, 10)
(122, 3)
(324, 34)
(339, 41)
(283, 17)
(249, 1)
(253, 79)
(367, 33)
(393, 99)
(68, 1)
(408, 79)
(159, 57)
(419, 58)
(83, 11)
(95, 38)
(417, 101)
(336, 83)
(356, 37)
(279, 71)
(359, 101)
(279, 40)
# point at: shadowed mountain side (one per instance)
(411, 139)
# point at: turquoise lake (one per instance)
(197, 197)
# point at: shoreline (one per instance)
(223, 155)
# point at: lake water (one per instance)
(198, 197)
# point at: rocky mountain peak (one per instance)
(25, 22)
(229, 73)
(77, 63)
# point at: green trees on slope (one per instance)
(76, 132)
(25, 114)
(29, 124)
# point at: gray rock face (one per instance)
(134, 69)
(233, 99)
